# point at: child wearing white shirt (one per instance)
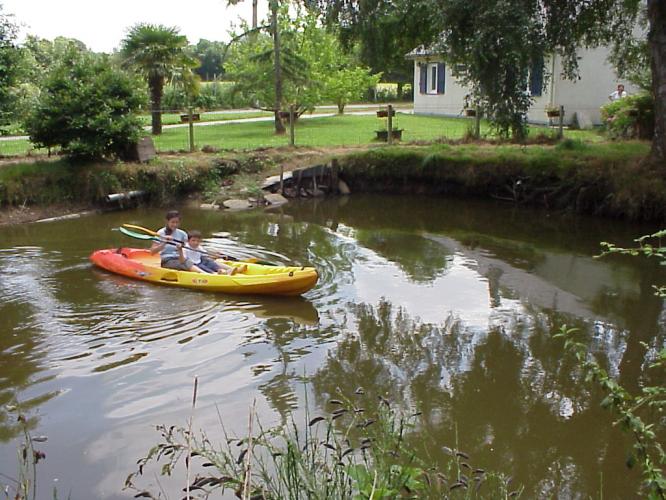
(193, 252)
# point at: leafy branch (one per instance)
(647, 450)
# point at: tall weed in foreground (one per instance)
(347, 453)
(24, 485)
(641, 415)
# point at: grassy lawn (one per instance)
(335, 131)
(174, 118)
(18, 147)
(345, 130)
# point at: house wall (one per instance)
(585, 96)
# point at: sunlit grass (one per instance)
(345, 130)
(329, 131)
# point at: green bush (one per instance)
(212, 95)
(631, 117)
(87, 107)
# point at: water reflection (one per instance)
(506, 395)
(440, 304)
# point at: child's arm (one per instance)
(157, 247)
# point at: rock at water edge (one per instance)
(237, 204)
(343, 188)
(209, 206)
(275, 199)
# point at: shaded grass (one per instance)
(45, 182)
(601, 178)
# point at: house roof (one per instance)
(423, 51)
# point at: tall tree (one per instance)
(657, 45)
(314, 67)
(10, 59)
(382, 31)
(157, 52)
(209, 55)
(494, 45)
(274, 6)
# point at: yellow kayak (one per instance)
(257, 279)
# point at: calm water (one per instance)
(446, 306)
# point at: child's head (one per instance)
(172, 220)
(194, 238)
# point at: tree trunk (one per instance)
(657, 43)
(254, 14)
(341, 107)
(279, 126)
(398, 93)
(156, 91)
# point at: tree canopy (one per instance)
(382, 31)
(10, 57)
(157, 52)
(88, 107)
(314, 67)
(210, 56)
(494, 44)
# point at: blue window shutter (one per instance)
(536, 78)
(441, 78)
(423, 79)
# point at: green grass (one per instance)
(345, 130)
(174, 118)
(18, 147)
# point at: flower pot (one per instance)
(285, 115)
(383, 113)
(382, 135)
(553, 113)
(185, 118)
(470, 112)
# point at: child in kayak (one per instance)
(193, 253)
(170, 255)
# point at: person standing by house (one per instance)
(618, 94)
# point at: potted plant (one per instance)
(382, 135)
(383, 113)
(469, 106)
(552, 111)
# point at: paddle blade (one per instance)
(133, 234)
(141, 228)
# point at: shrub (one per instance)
(212, 95)
(348, 453)
(87, 107)
(630, 117)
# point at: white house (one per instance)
(438, 92)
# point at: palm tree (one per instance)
(157, 52)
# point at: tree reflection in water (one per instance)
(509, 395)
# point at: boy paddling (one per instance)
(192, 253)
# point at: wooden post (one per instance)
(292, 115)
(190, 121)
(560, 131)
(390, 124)
(477, 123)
(335, 169)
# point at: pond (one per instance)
(444, 306)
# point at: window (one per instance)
(535, 85)
(432, 79)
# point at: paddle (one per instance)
(154, 236)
